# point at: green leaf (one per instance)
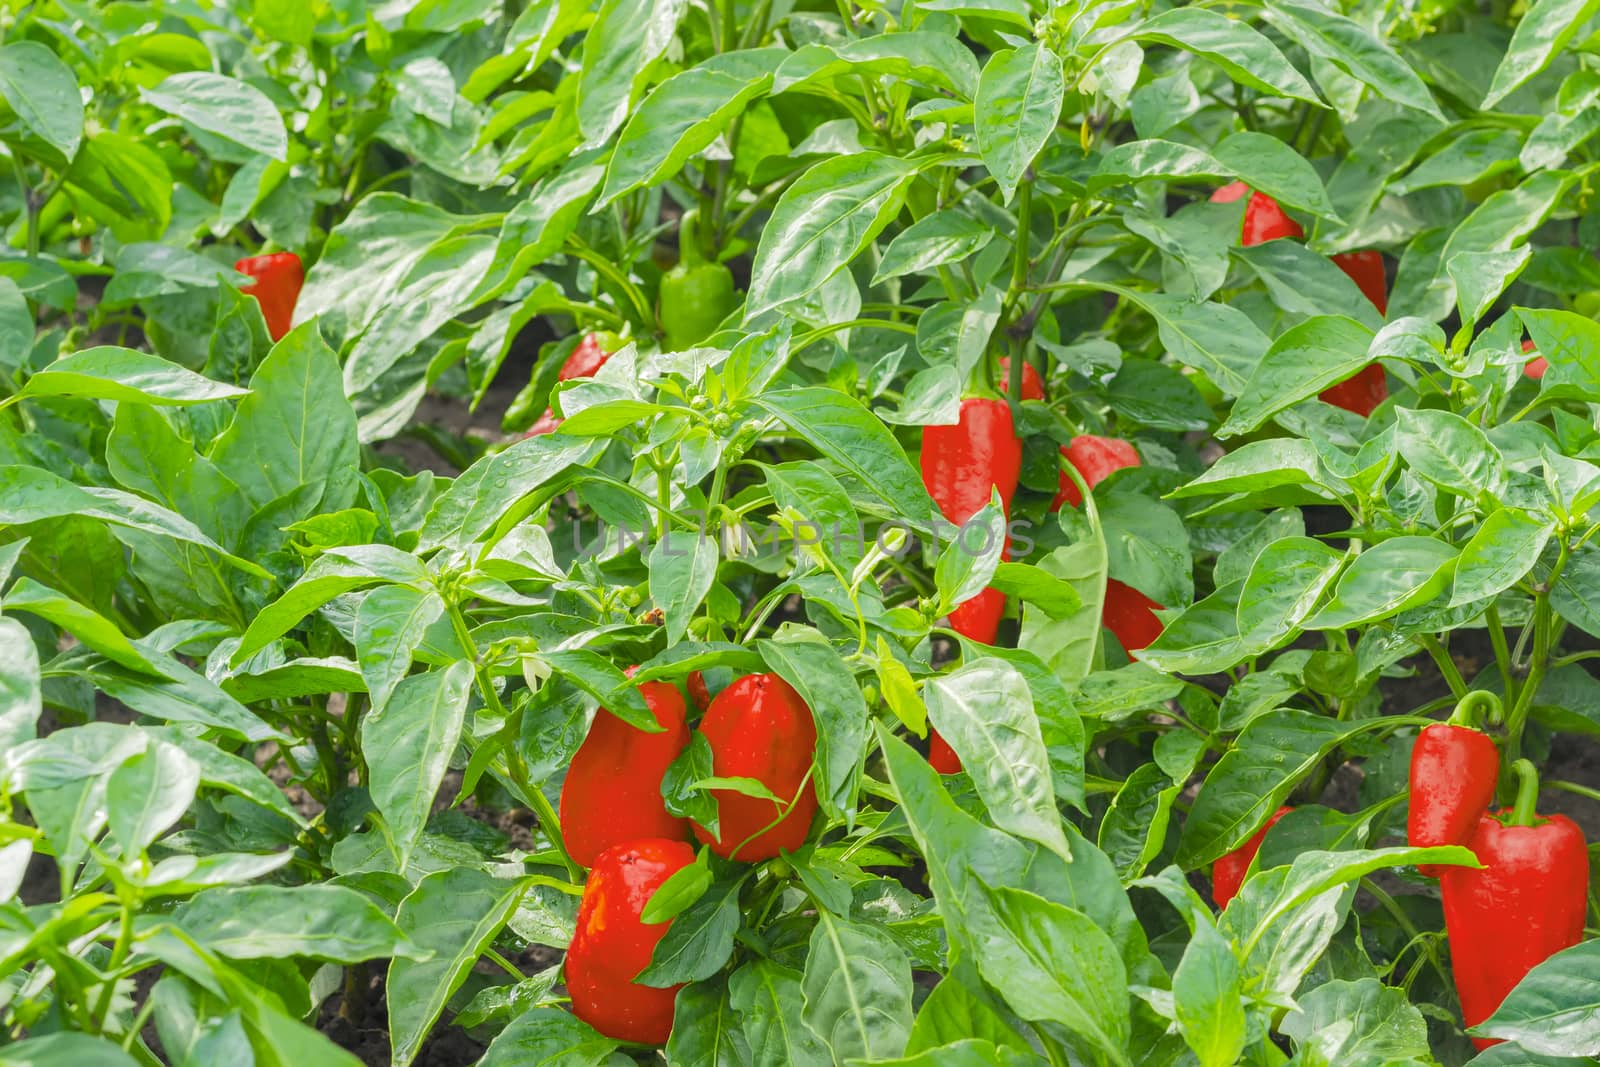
(43, 93)
(822, 222)
(954, 1013)
(1284, 918)
(446, 280)
(408, 745)
(684, 115)
(1387, 579)
(111, 373)
(1054, 964)
(1354, 49)
(1509, 215)
(20, 699)
(857, 989)
(1304, 283)
(1154, 159)
(1301, 363)
(968, 562)
(335, 572)
(1203, 639)
(843, 430)
(148, 794)
(1067, 644)
(1208, 336)
(1504, 549)
(682, 570)
(28, 494)
(938, 60)
(943, 237)
(1450, 452)
(1540, 36)
(824, 682)
(233, 110)
(454, 915)
(1472, 156)
(486, 494)
(294, 429)
(1284, 584)
(1267, 164)
(1248, 57)
(1252, 779)
(548, 1035)
(1358, 1023)
(365, 259)
(1208, 999)
(1571, 344)
(1147, 547)
(67, 1049)
(767, 998)
(1134, 828)
(699, 942)
(1018, 105)
(598, 677)
(92, 629)
(323, 922)
(185, 697)
(985, 711)
(391, 625)
(1553, 1010)
(705, 1029)
(625, 38)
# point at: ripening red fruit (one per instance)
(1227, 875)
(1095, 458)
(759, 728)
(1536, 366)
(611, 945)
(1032, 384)
(941, 757)
(1264, 220)
(612, 792)
(1365, 268)
(1130, 615)
(584, 362)
(1360, 393)
(278, 280)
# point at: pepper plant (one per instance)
(908, 532)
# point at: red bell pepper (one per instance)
(1130, 615)
(1454, 770)
(1524, 905)
(1227, 874)
(941, 757)
(612, 792)
(760, 728)
(1096, 458)
(278, 279)
(612, 944)
(584, 362)
(962, 465)
(1127, 612)
(1536, 366)
(1265, 221)
(1365, 268)
(1032, 384)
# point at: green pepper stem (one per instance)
(1466, 713)
(1524, 812)
(689, 253)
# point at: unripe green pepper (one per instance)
(696, 295)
